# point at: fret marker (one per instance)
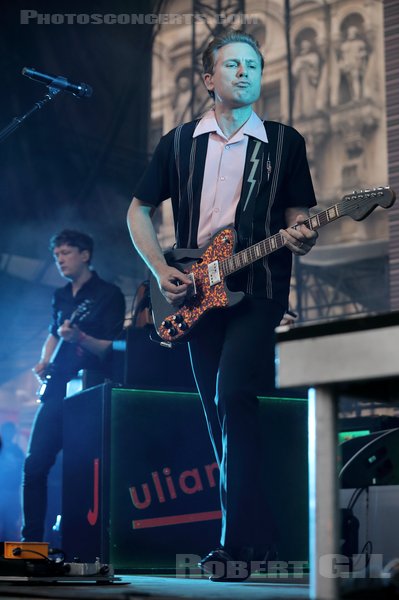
(331, 212)
(314, 222)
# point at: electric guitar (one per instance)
(64, 360)
(208, 267)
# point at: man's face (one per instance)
(70, 261)
(236, 80)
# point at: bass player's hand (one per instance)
(69, 333)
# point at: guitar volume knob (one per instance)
(172, 331)
(167, 324)
(177, 318)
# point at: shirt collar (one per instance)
(254, 127)
(88, 284)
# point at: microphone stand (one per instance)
(17, 121)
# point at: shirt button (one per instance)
(222, 178)
(216, 210)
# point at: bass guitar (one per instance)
(208, 267)
(64, 360)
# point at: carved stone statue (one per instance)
(306, 72)
(353, 62)
(182, 98)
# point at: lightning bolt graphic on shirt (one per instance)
(255, 161)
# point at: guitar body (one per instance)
(54, 385)
(176, 324)
(210, 266)
(61, 370)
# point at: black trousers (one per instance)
(44, 445)
(233, 363)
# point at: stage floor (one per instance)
(137, 587)
(161, 587)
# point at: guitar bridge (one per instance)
(214, 273)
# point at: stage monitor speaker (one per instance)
(141, 482)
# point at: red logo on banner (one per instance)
(166, 489)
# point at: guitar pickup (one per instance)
(214, 273)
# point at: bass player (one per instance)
(72, 344)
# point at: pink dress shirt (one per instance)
(223, 174)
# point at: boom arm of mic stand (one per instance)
(17, 121)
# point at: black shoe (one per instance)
(221, 566)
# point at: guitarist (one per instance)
(85, 344)
(230, 168)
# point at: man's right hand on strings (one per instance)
(173, 284)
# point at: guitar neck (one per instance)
(77, 317)
(250, 255)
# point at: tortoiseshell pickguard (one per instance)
(207, 296)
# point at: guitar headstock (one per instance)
(81, 312)
(361, 203)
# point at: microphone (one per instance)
(83, 90)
